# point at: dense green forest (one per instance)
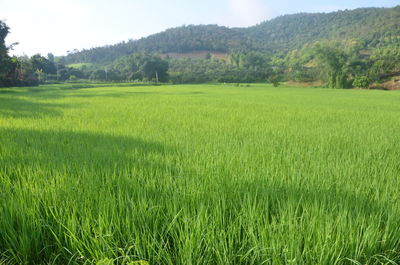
(351, 48)
(285, 33)
(181, 39)
(282, 34)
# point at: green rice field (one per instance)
(199, 174)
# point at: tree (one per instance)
(236, 59)
(274, 80)
(7, 65)
(361, 82)
(256, 61)
(153, 67)
(142, 66)
(26, 73)
(98, 75)
(333, 61)
(50, 57)
(41, 63)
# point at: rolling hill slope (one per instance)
(375, 26)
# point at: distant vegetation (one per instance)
(337, 48)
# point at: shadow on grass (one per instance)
(61, 93)
(68, 173)
(80, 151)
(21, 108)
(14, 105)
(7, 91)
(57, 94)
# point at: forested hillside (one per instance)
(371, 25)
(211, 38)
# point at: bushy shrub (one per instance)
(361, 82)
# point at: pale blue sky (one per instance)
(42, 26)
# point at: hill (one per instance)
(185, 39)
(285, 33)
(374, 26)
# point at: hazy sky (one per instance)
(42, 26)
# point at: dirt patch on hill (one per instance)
(305, 84)
(197, 55)
(393, 84)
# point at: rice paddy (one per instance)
(199, 174)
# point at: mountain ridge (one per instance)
(278, 35)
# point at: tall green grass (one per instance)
(200, 174)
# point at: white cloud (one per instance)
(248, 12)
(43, 26)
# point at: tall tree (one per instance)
(7, 65)
(334, 61)
(142, 66)
(41, 63)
